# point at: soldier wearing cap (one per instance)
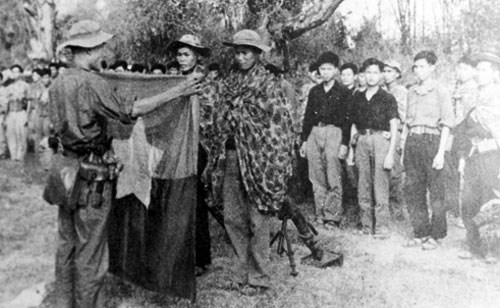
(250, 146)
(393, 73)
(463, 100)
(189, 52)
(81, 102)
(325, 135)
(478, 142)
(18, 96)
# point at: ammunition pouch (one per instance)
(92, 176)
(92, 171)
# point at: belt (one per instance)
(420, 129)
(369, 131)
(323, 124)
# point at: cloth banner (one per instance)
(152, 224)
(161, 145)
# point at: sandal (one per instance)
(430, 244)
(415, 242)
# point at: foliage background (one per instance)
(145, 28)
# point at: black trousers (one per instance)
(452, 182)
(420, 151)
(480, 179)
(203, 244)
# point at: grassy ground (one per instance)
(376, 273)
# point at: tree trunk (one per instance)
(41, 14)
(278, 31)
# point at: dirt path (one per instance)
(376, 273)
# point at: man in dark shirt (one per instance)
(375, 114)
(325, 136)
(81, 103)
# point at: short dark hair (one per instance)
(346, 66)
(213, 67)
(44, 72)
(158, 66)
(17, 66)
(173, 64)
(372, 61)
(427, 55)
(328, 57)
(120, 63)
(37, 70)
(138, 68)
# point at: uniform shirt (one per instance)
(429, 106)
(330, 107)
(79, 107)
(487, 110)
(400, 93)
(375, 113)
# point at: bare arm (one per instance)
(394, 136)
(438, 162)
(389, 158)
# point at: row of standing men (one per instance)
(438, 139)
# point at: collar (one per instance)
(336, 85)
(425, 89)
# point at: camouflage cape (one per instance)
(254, 109)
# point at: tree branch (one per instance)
(311, 16)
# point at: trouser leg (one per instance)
(92, 255)
(235, 214)
(317, 172)
(65, 258)
(415, 162)
(3, 138)
(381, 180)
(10, 134)
(22, 135)
(203, 245)
(17, 134)
(436, 186)
(333, 201)
(437, 196)
(258, 248)
(396, 200)
(364, 166)
(452, 183)
(472, 200)
(46, 155)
